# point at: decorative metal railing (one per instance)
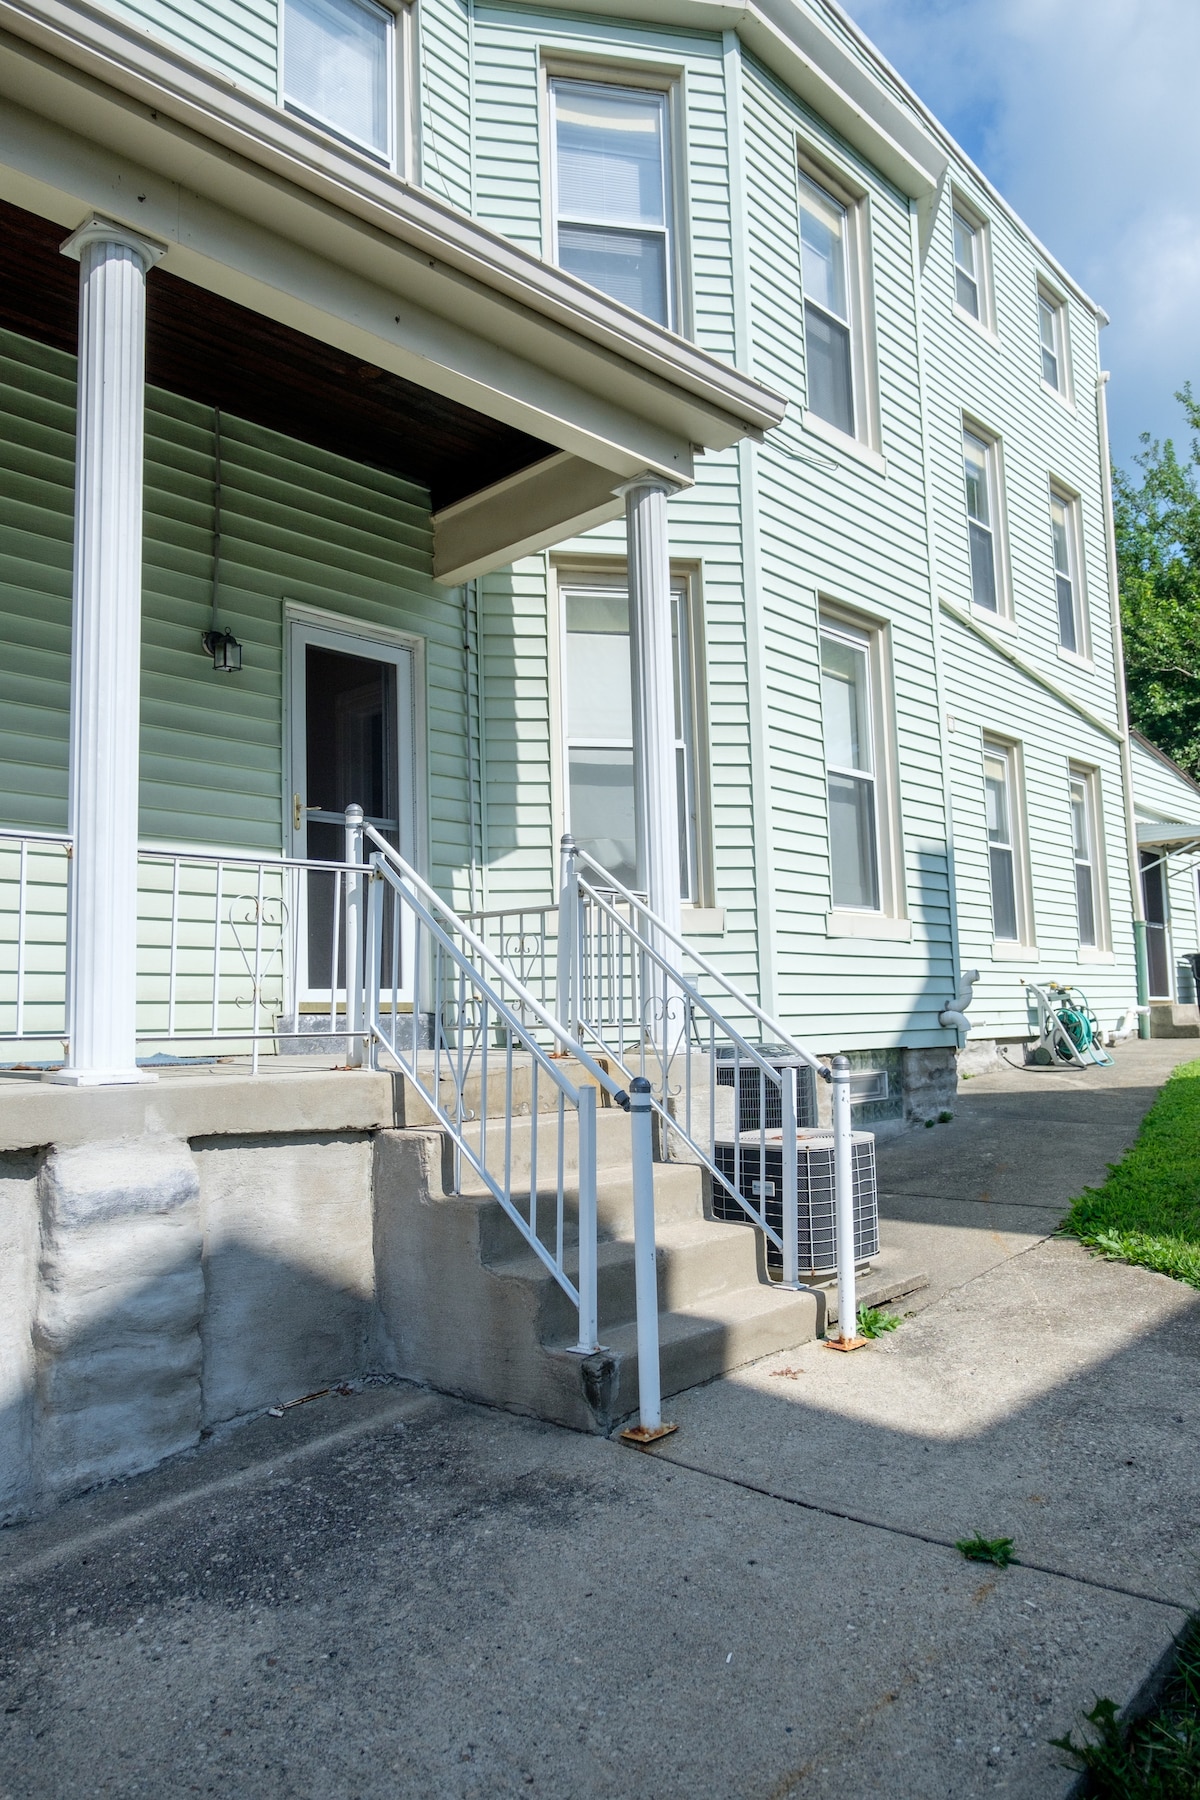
(236, 954)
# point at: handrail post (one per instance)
(567, 981)
(588, 1319)
(645, 1267)
(373, 964)
(843, 1195)
(791, 1181)
(354, 939)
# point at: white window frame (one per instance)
(998, 525)
(1062, 496)
(575, 575)
(855, 202)
(1054, 303)
(1088, 777)
(872, 636)
(399, 155)
(1009, 752)
(665, 84)
(965, 211)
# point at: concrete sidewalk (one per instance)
(393, 1593)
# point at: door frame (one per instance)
(1162, 867)
(303, 624)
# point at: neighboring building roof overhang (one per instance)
(268, 213)
(1160, 835)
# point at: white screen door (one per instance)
(351, 730)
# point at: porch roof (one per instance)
(264, 211)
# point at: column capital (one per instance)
(101, 230)
(649, 483)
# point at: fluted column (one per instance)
(655, 778)
(106, 651)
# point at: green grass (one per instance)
(1158, 1758)
(872, 1323)
(989, 1550)
(1148, 1211)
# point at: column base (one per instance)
(98, 1077)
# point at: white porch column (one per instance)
(106, 650)
(654, 778)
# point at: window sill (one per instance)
(1089, 954)
(841, 440)
(1015, 953)
(703, 921)
(868, 925)
(1064, 400)
(986, 332)
(1076, 661)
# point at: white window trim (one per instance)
(1025, 942)
(1065, 392)
(658, 79)
(890, 918)
(971, 215)
(702, 915)
(866, 439)
(1082, 654)
(400, 155)
(1090, 776)
(1003, 615)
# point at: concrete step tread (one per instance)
(738, 1306)
(672, 1238)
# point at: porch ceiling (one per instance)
(221, 354)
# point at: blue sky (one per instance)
(1085, 114)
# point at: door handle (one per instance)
(297, 811)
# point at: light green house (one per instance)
(898, 722)
(636, 425)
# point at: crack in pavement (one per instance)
(909, 1531)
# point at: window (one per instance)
(1064, 540)
(981, 476)
(1085, 848)
(826, 274)
(338, 68)
(612, 193)
(1051, 319)
(850, 764)
(1002, 817)
(599, 730)
(968, 271)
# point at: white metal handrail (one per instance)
(474, 1013)
(660, 1010)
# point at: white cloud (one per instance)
(1083, 112)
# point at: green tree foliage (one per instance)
(1157, 511)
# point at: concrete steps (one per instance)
(473, 1310)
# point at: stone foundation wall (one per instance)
(152, 1287)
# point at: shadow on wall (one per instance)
(150, 1289)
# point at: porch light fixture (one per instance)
(221, 645)
(225, 651)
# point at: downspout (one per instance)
(1141, 963)
(953, 1015)
(760, 761)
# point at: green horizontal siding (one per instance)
(298, 525)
